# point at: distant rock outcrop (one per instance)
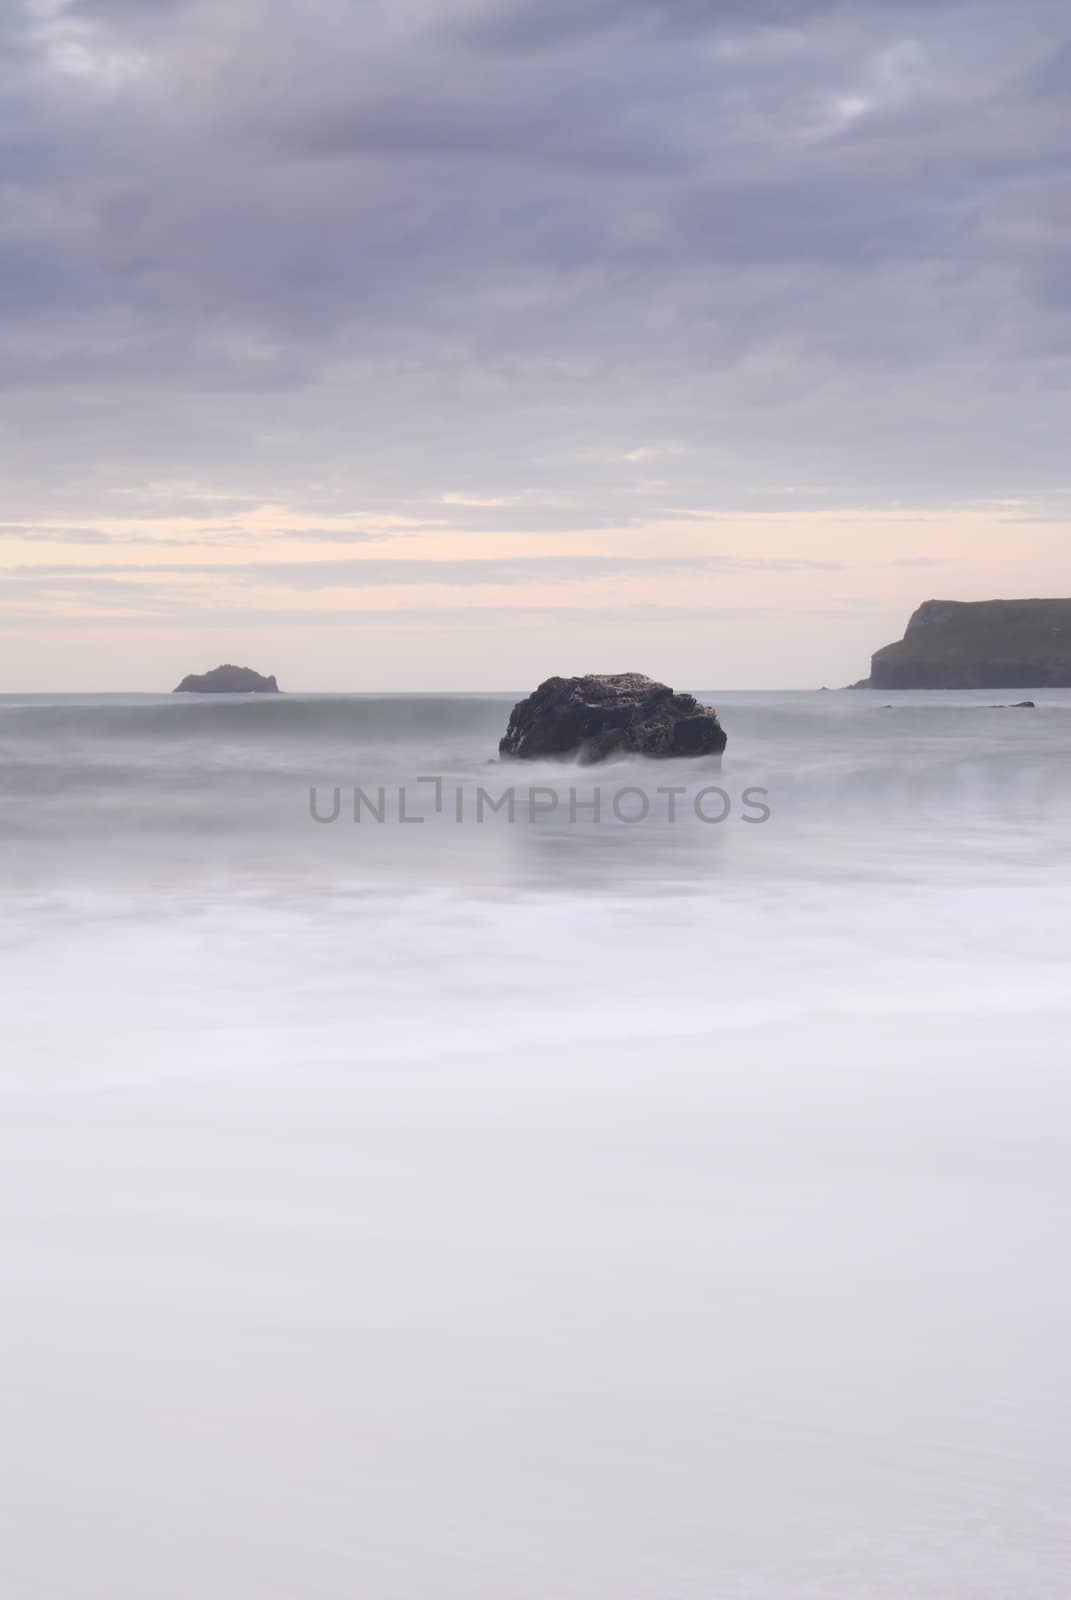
(227, 680)
(982, 644)
(610, 714)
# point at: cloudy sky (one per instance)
(452, 343)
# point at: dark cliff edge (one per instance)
(227, 679)
(980, 644)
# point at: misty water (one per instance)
(534, 1210)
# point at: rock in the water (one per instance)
(227, 680)
(983, 644)
(610, 714)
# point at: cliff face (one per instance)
(985, 644)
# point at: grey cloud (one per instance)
(521, 25)
(94, 581)
(210, 537)
(423, 618)
(125, 10)
(57, 535)
(369, 253)
(337, 536)
(1052, 74)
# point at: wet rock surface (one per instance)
(610, 714)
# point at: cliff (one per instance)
(984, 644)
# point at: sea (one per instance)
(417, 1184)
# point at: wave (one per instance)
(834, 768)
(182, 718)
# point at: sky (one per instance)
(449, 344)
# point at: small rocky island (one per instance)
(610, 714)
(227, 680)
(981, 644)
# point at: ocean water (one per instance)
(543, 1209)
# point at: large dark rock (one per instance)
(227, 680)
(982, 644)
(610, 714)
